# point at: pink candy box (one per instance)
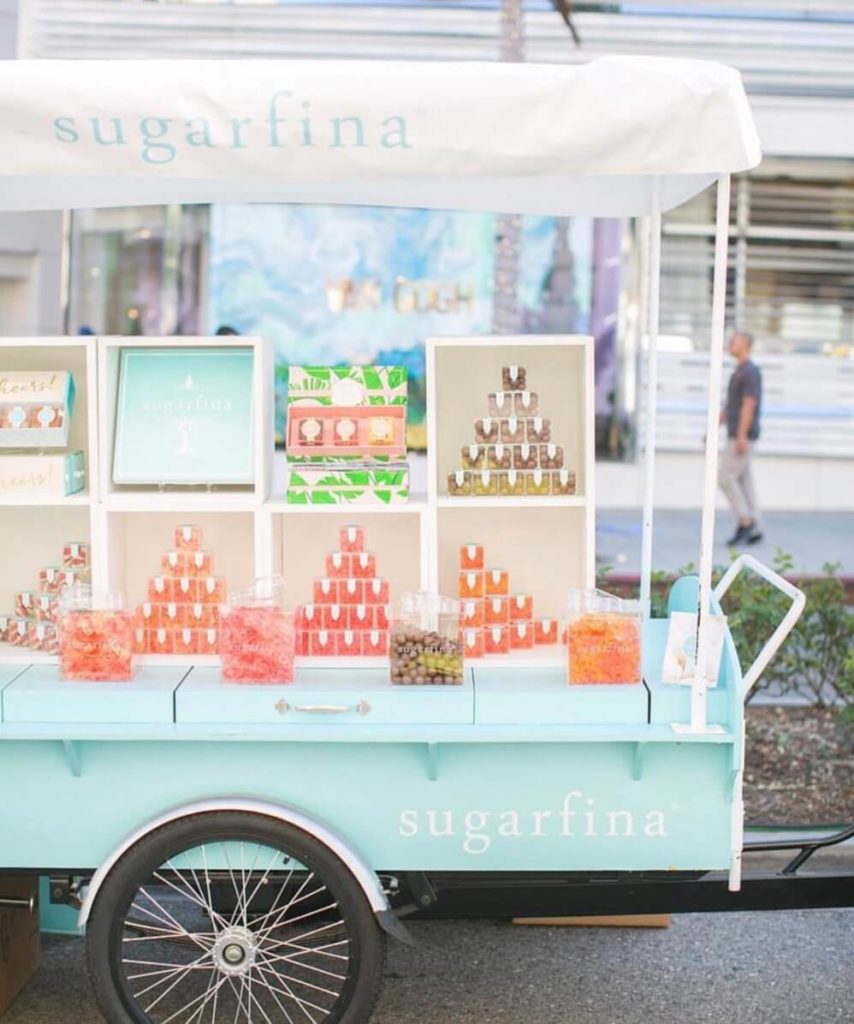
(363, 566)
(376, 591)
(321, 644)
(310, 616)
(75, 555)
(208, 641)
(210, 590)
(382, 616)
(188, 538)
(338, 565)
(161, 641)
(348, 643)
(360, 616)
(186, 641)
(351, 591)
(334, 616)
(521, 607)
(375, 643)
(352, 539)
(326, 591)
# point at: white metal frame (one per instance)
(787, 624)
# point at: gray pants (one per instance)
(735, 477)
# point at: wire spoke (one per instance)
(289, 959)
(263, 932)
(196, 894)
(185, 893)
(168, 917)
(266, 966)
(321, 950)
(194, 1000)
(181, 971)
(288, 991)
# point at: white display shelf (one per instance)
(55, 501)
(560, 501)
(546, 543)
(415, 506)
(188, 502)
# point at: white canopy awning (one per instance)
(524, 138)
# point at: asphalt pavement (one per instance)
(771, 968)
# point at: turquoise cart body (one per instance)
(513, 771)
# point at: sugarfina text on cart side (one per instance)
(289, 124)
(578, 817)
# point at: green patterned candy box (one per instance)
(344, 414)
(363, 485)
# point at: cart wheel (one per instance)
(233, 917)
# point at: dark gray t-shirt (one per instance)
(746, 381)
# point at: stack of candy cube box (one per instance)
(349, 613)
(513, 454)
(492, 620)
(181, 615)
(34, 624)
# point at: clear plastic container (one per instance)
(257, 635)
(426, 641)
(604, 638)
(96, 638)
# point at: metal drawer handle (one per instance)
(363, 707)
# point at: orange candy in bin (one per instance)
(257, 636)
(604, 638)
(95, 643)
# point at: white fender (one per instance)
(364, 876)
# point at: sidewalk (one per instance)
(810, 538)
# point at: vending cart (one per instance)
(241, 851)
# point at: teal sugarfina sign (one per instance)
(289, 123)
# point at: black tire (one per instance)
(116, 925)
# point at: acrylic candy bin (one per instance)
(425, 644)
(95, 637)
(257, 635)
(604, 639)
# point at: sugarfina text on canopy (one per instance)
(289, 123)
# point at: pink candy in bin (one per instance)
(257, 636)
(96, 637)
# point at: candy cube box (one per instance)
(346, 412)
(35, 408)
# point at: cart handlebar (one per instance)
(787, 623)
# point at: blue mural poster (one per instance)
(367, 285)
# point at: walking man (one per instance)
(741, 416)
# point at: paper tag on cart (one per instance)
(680, 652)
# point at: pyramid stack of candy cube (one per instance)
(512, 454)
(181, 614)
(494, 621)
(33, 624)
(349, 613)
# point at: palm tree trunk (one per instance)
(506, 315)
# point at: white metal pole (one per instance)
(707, 533)
(652, 311)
